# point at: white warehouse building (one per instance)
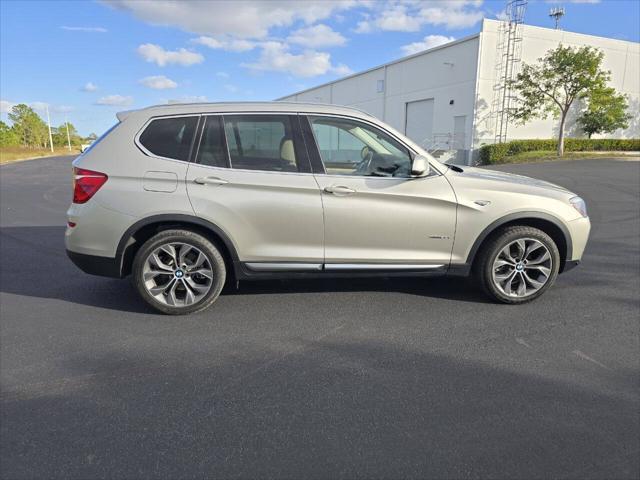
(446, 97)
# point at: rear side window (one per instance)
(261, 142)
(170, 137)
(212, 151)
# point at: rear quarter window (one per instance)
(169, 137)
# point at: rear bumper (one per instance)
(95, 265)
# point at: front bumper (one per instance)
(579, 230)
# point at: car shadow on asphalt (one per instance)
(346, 407)
(450, 288)
(45, 271)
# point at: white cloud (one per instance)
(158, 82)
(231, 88)
(156, 54)
(115, 100)
(6, 106)
(451, 18)
(225, 43)
(502, 15)
(398, 19)
(317, 36)
(413, 16)
(85, 29)
(364, 26)
(240, 19)
(573, 1)
(90, 87)
(40, 106)
(62, 108)
(430, 41)
(275, 56)
(188, 99)
(222, 75)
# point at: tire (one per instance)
(179, 272)
(508, 276)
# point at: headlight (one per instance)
(579, 205)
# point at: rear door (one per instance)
(251, 177)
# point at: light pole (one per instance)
(49, 123)
(66, 122)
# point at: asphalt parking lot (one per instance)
(320, 379)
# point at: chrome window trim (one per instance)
(400, 179)
(148, 153)
(244, 170)
(299, 113)
(230, 167)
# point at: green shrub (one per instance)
(496, 153)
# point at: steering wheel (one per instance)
(364, 166)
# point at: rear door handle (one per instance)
(339, 190)
(210, 181)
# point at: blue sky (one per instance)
(88, 60)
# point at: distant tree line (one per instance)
(28, 130)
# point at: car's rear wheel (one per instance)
(179, 272)
(518, 264)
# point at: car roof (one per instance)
(239, 107)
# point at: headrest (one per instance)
(287, 152)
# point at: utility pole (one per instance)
(66, 122)
(557, 13)
(49, 123)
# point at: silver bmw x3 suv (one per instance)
(187, 197)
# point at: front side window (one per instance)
(349, 147)
(261, 142)
(170, 137)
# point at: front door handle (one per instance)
(210, 181)
(339, 190)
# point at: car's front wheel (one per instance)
(179, 272)
(518, 264)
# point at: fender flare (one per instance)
(128, 235)
(522, 216)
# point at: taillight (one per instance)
(86, 183)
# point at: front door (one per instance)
(251, 178)
(375, 213)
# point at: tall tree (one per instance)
(550, 86)
(60, 135)
(29, 127)
(8, 137)
(606, 111)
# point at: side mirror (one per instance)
(420, 166)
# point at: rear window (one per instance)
(169, 137)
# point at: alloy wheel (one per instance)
(177, 274)
(522, 267)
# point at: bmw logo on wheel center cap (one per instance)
(179, 273)
(519, 266)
